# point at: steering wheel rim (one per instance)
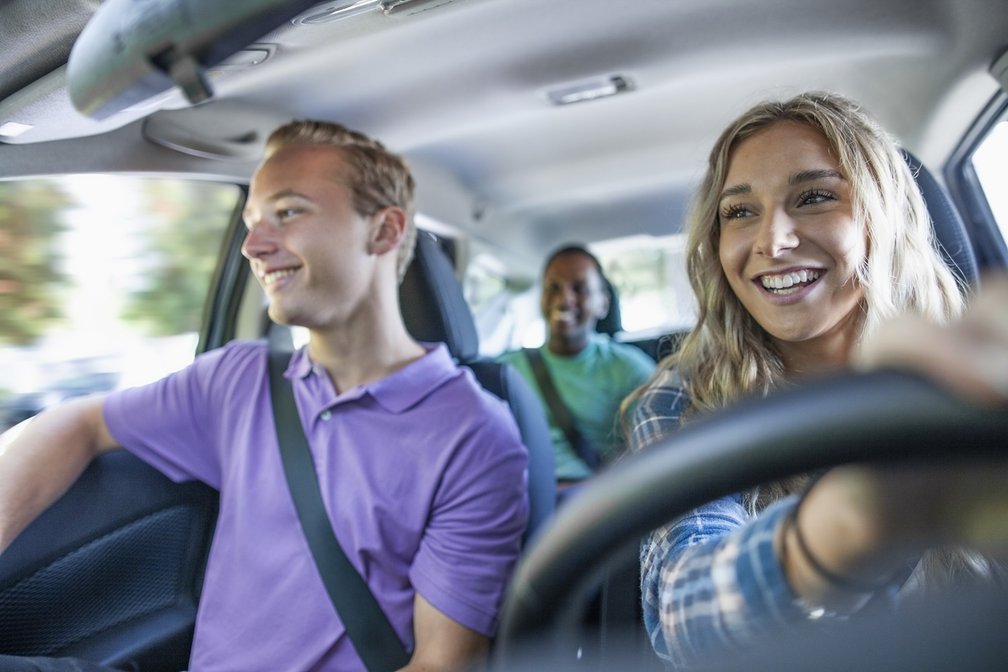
(879, 416)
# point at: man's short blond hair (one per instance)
(377, 177)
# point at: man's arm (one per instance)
(41, 458)
(442, 643)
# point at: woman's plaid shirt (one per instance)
(710, 580)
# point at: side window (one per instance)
(103, 282)
(990, 161)
(650, 275)
(488, 293)
(648, 272)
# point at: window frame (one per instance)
(964, 187)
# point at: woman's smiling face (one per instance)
(789, 243)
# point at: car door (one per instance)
(139, 276)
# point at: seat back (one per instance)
(612, 322)
(950, 231)
(434, 310)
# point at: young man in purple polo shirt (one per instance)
(422, 472)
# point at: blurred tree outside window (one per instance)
(30, 229)
(103, 281)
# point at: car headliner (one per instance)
(461, 90)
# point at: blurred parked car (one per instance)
(18, 407)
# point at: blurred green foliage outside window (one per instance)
(103, 281)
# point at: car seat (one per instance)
(612, 322)
(434, 310)
(950, 231)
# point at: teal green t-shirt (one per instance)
(592, 384)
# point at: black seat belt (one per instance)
(372, 635)
(561, 414)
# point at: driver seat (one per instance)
(949, 230)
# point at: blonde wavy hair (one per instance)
(378, 178)
(728, 355)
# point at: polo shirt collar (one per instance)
(402, 389)
(300, 365)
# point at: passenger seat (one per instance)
(434, 309)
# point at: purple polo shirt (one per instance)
(423, 475)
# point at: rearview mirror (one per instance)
(131, 51)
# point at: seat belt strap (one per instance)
(558, 409)
(373, 637)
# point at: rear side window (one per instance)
(649, 274)
(103, 282)
(990, 161)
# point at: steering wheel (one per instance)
(881, 416)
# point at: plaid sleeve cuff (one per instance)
(761, 579)
(724, 593)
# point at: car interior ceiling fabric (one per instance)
(434, 310)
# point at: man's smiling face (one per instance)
(306, 243)
(573, 300)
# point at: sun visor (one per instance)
(131, 51)
(999, 68)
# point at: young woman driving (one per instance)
(807, 237)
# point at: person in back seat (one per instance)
(807, 238)
(590, 372)
(422, 472)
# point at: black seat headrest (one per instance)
(950, 231)
(433, 306)
(612, 322)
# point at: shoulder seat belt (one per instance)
(558, 409)
(372, 635)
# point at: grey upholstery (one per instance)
(433, 306)
(950, 231)
(612, 322)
